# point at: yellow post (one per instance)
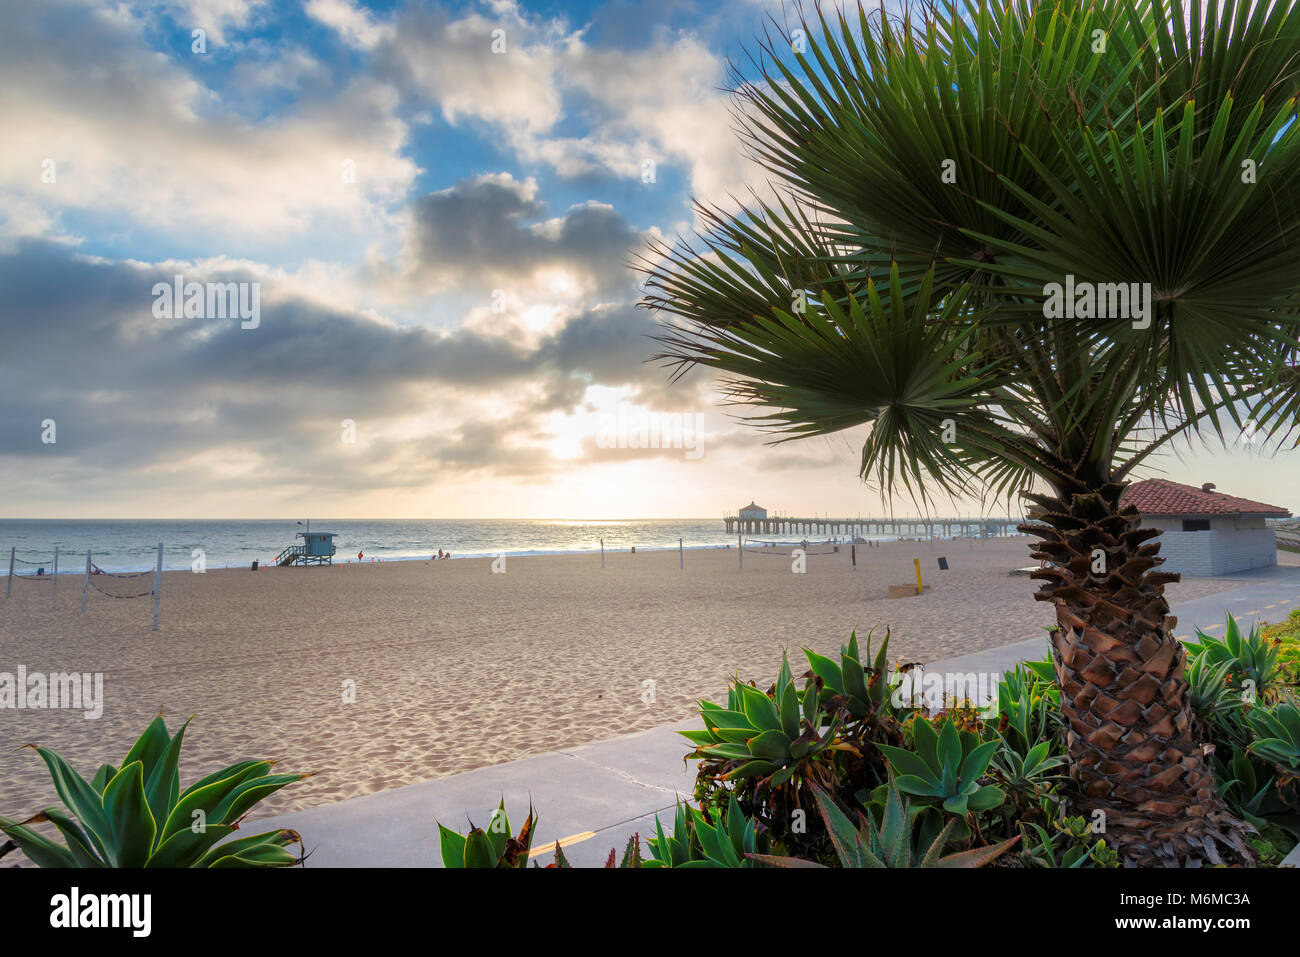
(918, 574)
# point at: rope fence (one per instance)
(92, 569)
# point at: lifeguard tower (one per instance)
(317, 548)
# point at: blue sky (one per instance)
(440, 235)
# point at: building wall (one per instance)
(1223, 549)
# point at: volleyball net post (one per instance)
(157, 586)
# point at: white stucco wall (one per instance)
(1229, 546)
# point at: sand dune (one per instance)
(456, 667)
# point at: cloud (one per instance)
(132, 132)
(355, 25)
(214, 16)
(127, 389)
(375, 300)
(434, 56)
(662, 103)
(489, 230)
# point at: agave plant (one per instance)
(494, 846)
(136, 815)
(1210, 687)
(695, 842)
(1029, 776)
(861, 696)
(945, 769)
(888, 842)
(862, 692)
(1248, 788)
(1277, 741)
(1251, 660)
(772, 737)
(945, 174)
(1028, 710)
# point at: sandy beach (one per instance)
(456, 667)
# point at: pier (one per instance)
(743, 524)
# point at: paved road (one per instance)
(593, 798)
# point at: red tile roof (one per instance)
(1163, 497)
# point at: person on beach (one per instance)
(360, 555)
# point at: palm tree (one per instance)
(933, 175)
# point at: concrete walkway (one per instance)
(594, 797)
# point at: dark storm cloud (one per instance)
(127, 390)
(488, 226)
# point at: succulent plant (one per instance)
(945, 769)
(1277, 741)
(136, 815)
(695, 842)
(1064, 846)
(1249, 790)
(1209, 687)
(861, 691)
(1252, 660)
(888, 842)
(1028, 710)
(1027, 776)
(493, 846)
(772, 737)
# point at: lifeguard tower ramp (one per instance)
(317, 548)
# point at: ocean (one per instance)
(119, 546)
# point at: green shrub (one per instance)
(1277, 741)
(1286, 636)
(1252, 660)
(137, 815)
(697, 843)
(1067, 844)
(889, 841)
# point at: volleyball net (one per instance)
(763, 546)
(92, 577)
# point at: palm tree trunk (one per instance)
(1137, 754)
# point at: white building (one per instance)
(1206, 533)
(753, 511)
